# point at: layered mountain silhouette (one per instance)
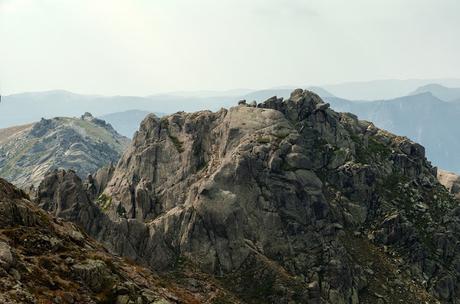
(61, 103)
(385, 88)
(284, 201)
(423, 118)
(441, 92)
(126, 122)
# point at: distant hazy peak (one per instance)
(442, 92)
(321, 92)
(432, 86)
(87, 116)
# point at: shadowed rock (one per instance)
(287, 201)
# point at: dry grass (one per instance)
(7, 133)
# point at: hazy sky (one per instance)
(142, 47)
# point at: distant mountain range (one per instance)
(441, 92)
(55, 103)
(271, 202)
(286, 201)
(428, 114)
(51, 104)
(127, 122)
(383, 89)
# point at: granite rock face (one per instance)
(285, 201)
(83, 144)
(451, 181)
(44, 259)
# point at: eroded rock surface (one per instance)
(85, 144)
(451, 181)
(47, 260)
(285, 201)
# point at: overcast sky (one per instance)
(142, 47)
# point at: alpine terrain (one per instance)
(284, 201)
(83, 144)
(47, 260)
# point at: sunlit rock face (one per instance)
(286, 201)
(451, 181)
(28, 153)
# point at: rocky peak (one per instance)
(90, 118)
(42, 127)
(285, 200)
(84, 145)
(9, 191)
(87, 116)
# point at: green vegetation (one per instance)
(180, 262)
(222, 299)
(281, 132)
(104, 201)
(377, 148)
(95, 132)
(395, 190)
(370, 151)
(263, 139)
(121, 211)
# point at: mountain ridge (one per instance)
(442, 92)
(48, 260)
(285, 200)
(424, 118)
(85, 144)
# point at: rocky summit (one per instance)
(83, 144)
(285, 201)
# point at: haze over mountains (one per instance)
(278, 200)
(285, 201)
(55, 103)
(126, 122)
(229, 152)
(440, 91)
(426, 114)
(423, 118)
(384, 89)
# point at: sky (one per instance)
(142, 47)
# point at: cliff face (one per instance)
(282, 201)
(48, 260)
(451, 181)
(27, 153)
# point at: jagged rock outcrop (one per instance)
(27, 153)
(423, 118)
(47, 260)
(451, 181)
(284, 201)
